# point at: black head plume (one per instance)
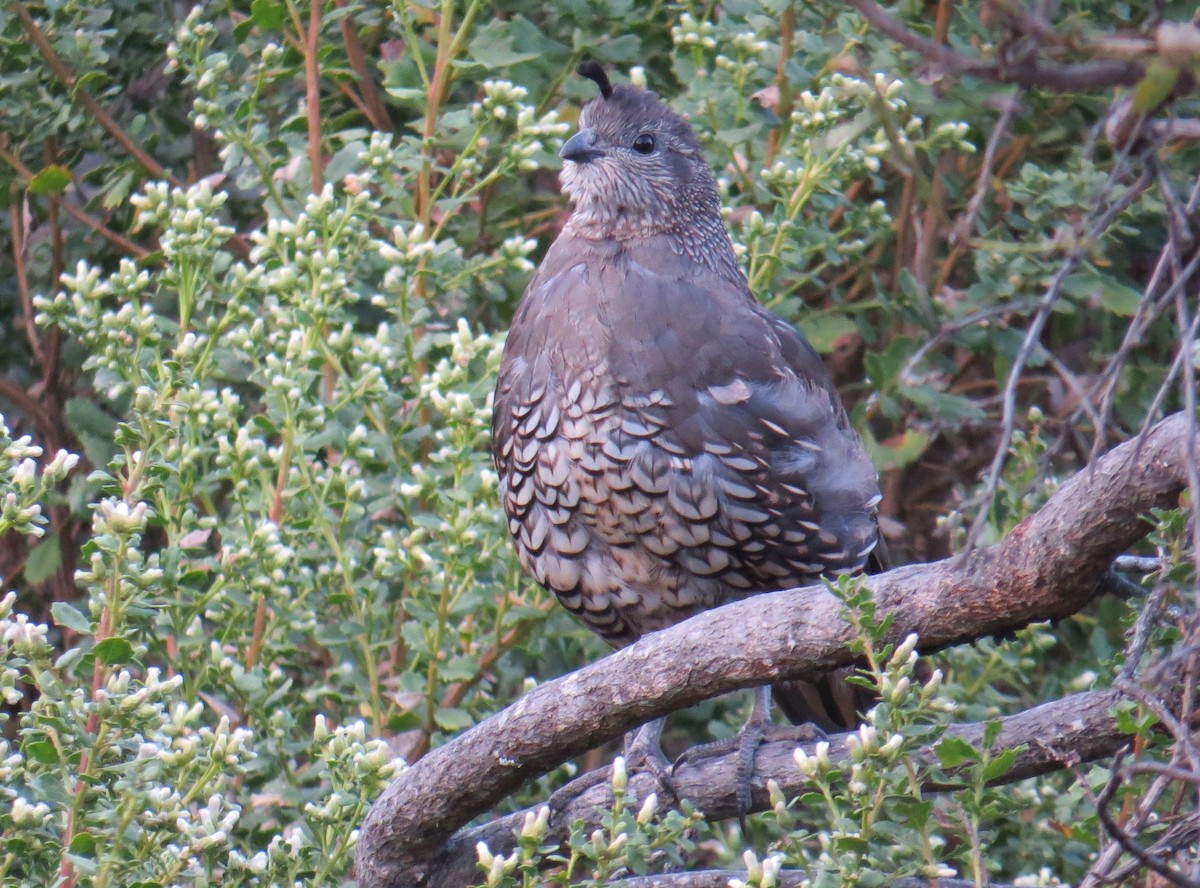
(595, 71)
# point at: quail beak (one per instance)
(581, 147)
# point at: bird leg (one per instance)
(643, 752)
(758, 729)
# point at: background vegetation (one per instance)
(258, 260)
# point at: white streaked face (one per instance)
(633, 160)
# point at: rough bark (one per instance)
(720, 879)
(1075, 729)
(1047, 568)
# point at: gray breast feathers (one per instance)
(665, 445)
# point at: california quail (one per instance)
(664, 444)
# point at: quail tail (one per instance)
(830, 702)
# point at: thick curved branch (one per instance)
(1047, 568)
(786, 879)
(1075, 729)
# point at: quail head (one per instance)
(664, 444)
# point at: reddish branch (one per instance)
(238, 243)
(312, 94)
(372, 104)
(95, 225)
(1048, 568)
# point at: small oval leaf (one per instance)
(52, 180)
(69, 617)
(113, 651)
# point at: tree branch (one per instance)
(786, 879)
(1028, 72)
(1047, 568)
(372, 104)
(1075, 729)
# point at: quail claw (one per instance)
(757, 730)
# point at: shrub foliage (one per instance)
(261, 257)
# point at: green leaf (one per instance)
(51, 180)
(851, 843)
(1000, 765)
(117, 191)
(898, 452)
(68, 659)
(954, 751)
(249, 683)
(84, 843)
(94, 428)
(824, 330)
(1126, 715)
(1111, 294)
(267, 14)
(453, 719)
(69, 617)
(1131, 719)
(493, 48)
(44, 559)
(1154, 87)
(113, 651)
(1120, 299)
(90, 80)
(884, 366)
(87, 418)
(41, 751)
(407, 721)
(950, 408)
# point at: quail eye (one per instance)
(644, 143)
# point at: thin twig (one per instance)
(456, 692)
(1181, 733)
(1182, 358)
(76, 213)
(312, 93)
(1141, 632)
(17, 225)
(298, 44)
(50, 364)
(1147, 858)
(1175, 773)
(1187, 348)
(1091, 75)
(1149, 309)
(1101, 870)
(1030, 342)
(26, 403)
(1140, 564)
(106, 120)
(949, 328)
(966, 222)
(1077, 388)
